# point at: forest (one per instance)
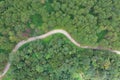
(90, 22)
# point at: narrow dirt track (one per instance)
(21, 43)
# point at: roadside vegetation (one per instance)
(56, 58)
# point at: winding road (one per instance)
(21, 43)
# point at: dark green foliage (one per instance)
(48, 7)
(1, 0)
(3, 60)
(36, 19)
(101, 35)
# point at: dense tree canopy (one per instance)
(90, 22)
(85, 19)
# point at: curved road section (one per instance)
(21, 43)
